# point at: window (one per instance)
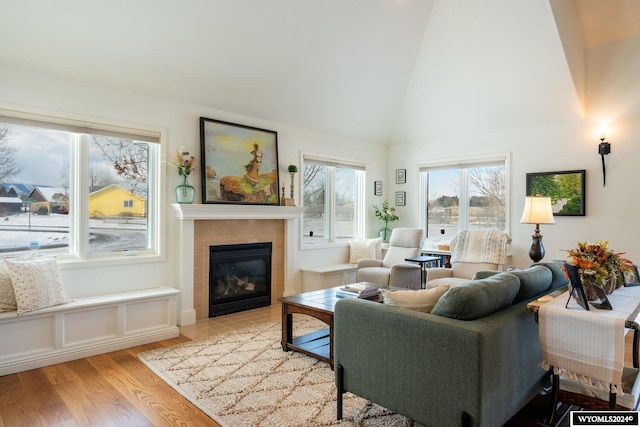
(332, 193)
(78, 189)
(464, 195)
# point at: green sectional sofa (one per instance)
(438, 369)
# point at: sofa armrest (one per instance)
(364, 263)
(438, 273)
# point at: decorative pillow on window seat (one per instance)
(7, 297)
(422, 300)
(36, 284)
(364, 249)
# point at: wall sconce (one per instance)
(604, 148)
(537, 210)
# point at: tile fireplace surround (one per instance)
(202, 225)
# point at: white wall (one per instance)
(543, 125)
(179, 121)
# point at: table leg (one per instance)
(555, 393)
(636, 342)
(287, 327)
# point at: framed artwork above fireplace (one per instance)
(239, 163)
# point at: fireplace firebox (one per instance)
(239, 277)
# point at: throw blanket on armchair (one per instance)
(485, 246)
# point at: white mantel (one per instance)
(186, 214)
(193, 212)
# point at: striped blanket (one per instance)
(485, 246)
(588, 346)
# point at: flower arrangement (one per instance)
(598, 265)
(184, 162)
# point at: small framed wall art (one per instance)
(377, 188)
(401, 176)
(400, 198)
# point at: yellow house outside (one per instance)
(113, 201)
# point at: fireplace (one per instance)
(239, 277)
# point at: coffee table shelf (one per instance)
(319, 304)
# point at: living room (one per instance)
(394, 85)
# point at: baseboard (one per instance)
(187, 317)
(65, 355)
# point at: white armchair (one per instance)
(471, 251)
(393, 270)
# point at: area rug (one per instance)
(244, 378)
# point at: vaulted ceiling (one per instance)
(339, 66)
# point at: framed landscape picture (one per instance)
(239, 163)
(566, 189)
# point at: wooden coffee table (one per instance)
(319, 304)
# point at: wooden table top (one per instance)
(323, 299)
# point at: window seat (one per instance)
(86, 326)
(328, 276)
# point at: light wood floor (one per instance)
(112, 389)
(116, 389)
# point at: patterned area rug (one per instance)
(245, 379)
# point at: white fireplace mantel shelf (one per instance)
(205, 212)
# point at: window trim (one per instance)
(76, 123)
(465, 162)
(360, 210)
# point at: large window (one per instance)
(333, 200)
(465, 195)
(76, 190)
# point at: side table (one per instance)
(423, 260)
(560, 353)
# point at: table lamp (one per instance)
(537, 210)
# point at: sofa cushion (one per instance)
(7, 297)
(559, 278)
(533, 281)
(422, 300)
(478, 298)
(36, 284)
(364, 249)
(446, 281)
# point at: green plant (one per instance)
(386, 214)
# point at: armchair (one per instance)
(471, 251)
(392, 270)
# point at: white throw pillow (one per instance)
(364, 249)
(36, 284)
(7, 297)
(421, 300)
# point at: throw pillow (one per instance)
(7, 297)
(478, 298)
(364, 249)
(533, 281)
(36, 284)
(422, 300)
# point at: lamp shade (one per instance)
(537, 210)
